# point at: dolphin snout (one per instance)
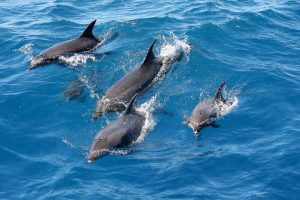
(90, 160)
(196, 130)
(198, 126)
(194, 126)
(32, 67)
(38, 61)
(35, 62)
(94, 155)
(96, 115)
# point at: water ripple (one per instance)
(253, 45)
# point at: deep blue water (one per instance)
(253, 45)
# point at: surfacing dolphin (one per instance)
(119, 94)
(87, 41)
(206, 112)
(120, 133)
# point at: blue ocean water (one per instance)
(253, 45)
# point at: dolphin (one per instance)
(87, 41)
(119, 94)
(120, 133)
(74, 90)
(206, 112)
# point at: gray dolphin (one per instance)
(119, 94)
(120, 133)
(87, 41)
(206, 112)
(74, 90)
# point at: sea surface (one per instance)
(252, 45)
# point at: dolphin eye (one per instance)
(98, 139)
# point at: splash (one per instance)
(231, 103)
(225, 108)
(113, 151)
(173, 49)
(147, 110)
(27, 50)
(76, 59)
(119, 152)
(67, 142)
(89, 85)
(108, 36)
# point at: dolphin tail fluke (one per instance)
(150, 55)
(218, 95)
(88, 32)
(130, 107)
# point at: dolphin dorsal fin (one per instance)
(218, 95)
(130, 107)
(150, 55)
(88, 32)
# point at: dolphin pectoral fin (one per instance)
(218, 95)
(214, 125)
(150, 55)
(88, 32)
(96, 115)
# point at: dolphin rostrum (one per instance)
(119, 94)
(206, 112)
(120, 133)
(87, 41)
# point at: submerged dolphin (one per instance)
(206, 112)
(87, 41)
(74, 90)
(119, 94)
(120, 133)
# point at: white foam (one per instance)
(119, 152)
(172, 50)
(231, 103)
(147, 109)
(227, 107)
(89, 85)
(76, 59)
(173, 47)
(27, 49)
(67, 142)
